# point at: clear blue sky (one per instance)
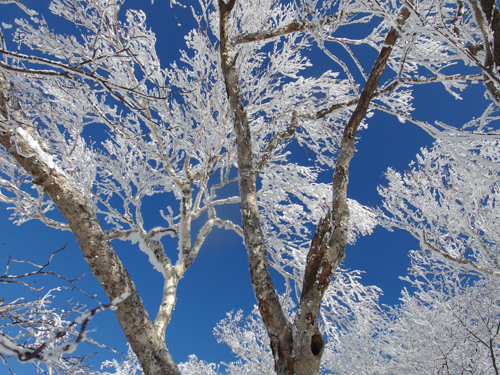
(219, 279)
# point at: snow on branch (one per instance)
(53, 347)
(34, 331)
(21, 6)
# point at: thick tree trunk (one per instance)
(296, 349)
(23, 143)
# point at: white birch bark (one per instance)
(20, 139)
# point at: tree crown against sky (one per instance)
(238, 121)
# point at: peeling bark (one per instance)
(92, 239)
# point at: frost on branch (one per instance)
(163, 133)
(128, 366)
(453, 317)
(248, 340)
(194, 366)
(37, 331)
(50, 335)
(362, 220)
(449, 202)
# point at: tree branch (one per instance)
(263, 35)
(276, 140)
(292, 27)
(463, 262)
(277, 325)
(328, 244)
(42, 353)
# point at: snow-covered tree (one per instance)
(231, 112)
(449, 320)
(449, 202)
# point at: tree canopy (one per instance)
(240, 121)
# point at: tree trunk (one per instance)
(277, 325)
(296, 349)
(23, 143)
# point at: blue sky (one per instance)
(219, 279)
